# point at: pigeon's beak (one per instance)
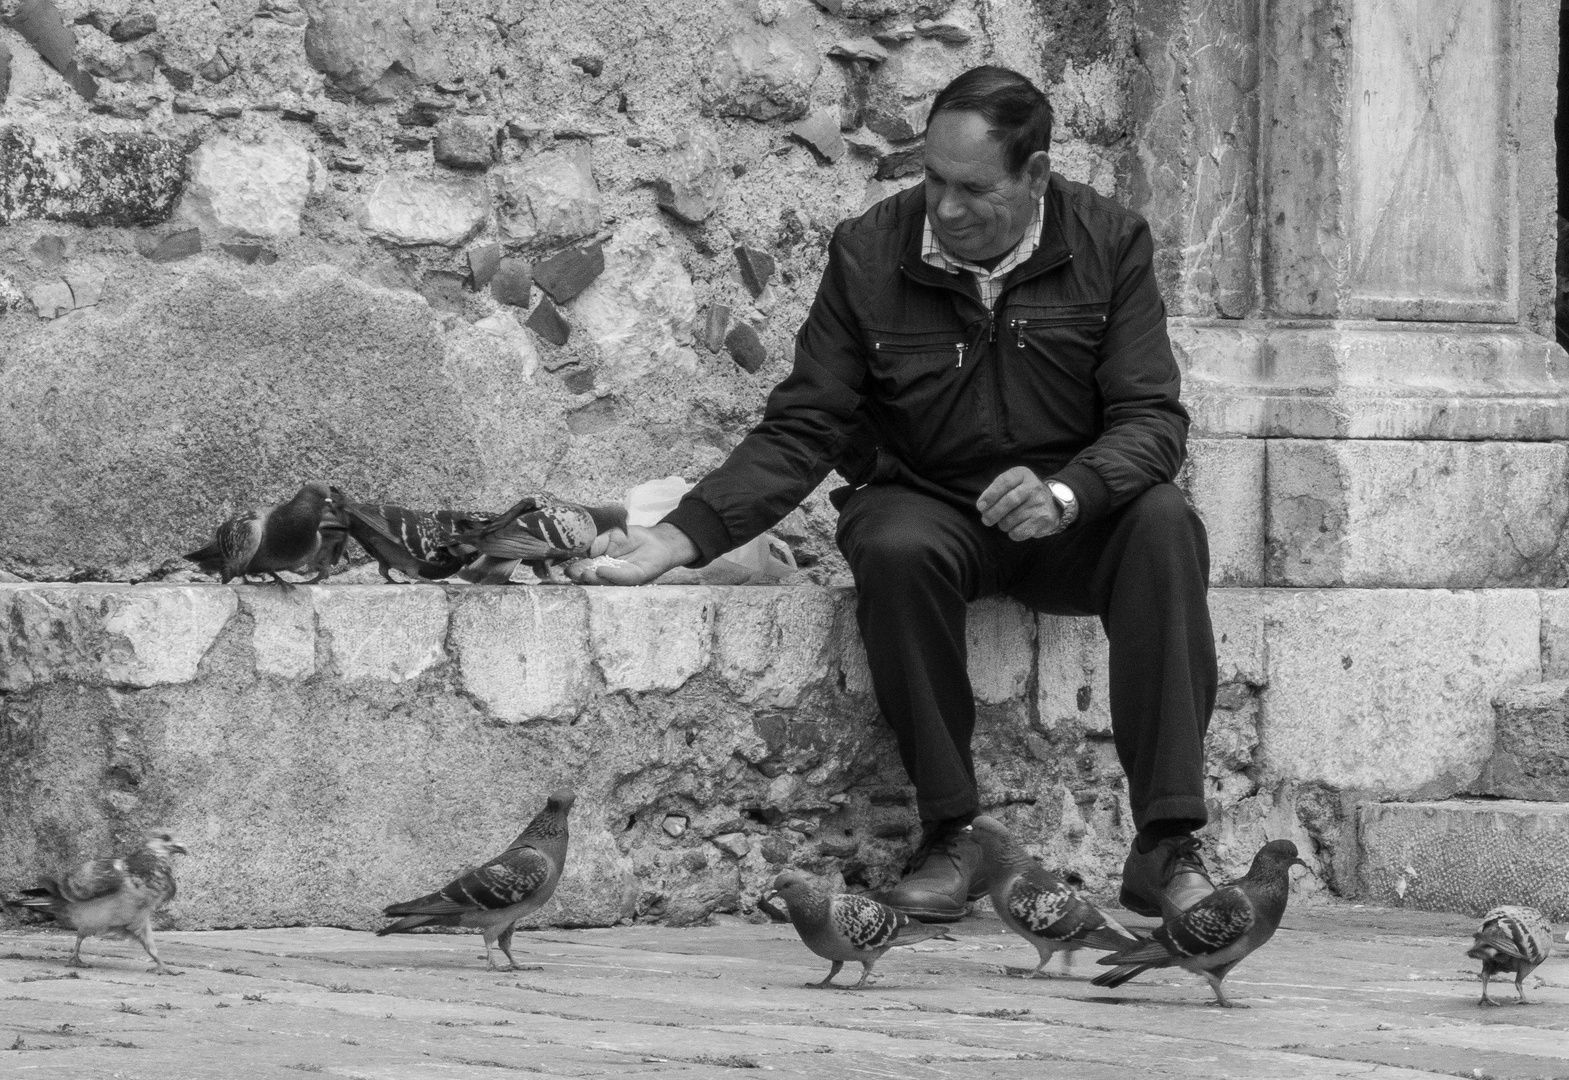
(1299, 862)
(768, 896)
(179, 849)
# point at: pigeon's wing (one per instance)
(1050, 908)
(91, 880)
(1218, 921)
(511, 878)
(1520, 932)
(863, 922)
(238, 539)
(553, 531)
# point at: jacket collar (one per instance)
(1052, 251)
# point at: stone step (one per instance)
(1466, 855)
(1530, 744)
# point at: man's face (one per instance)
(977, 209)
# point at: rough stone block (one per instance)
(283, 632)
(1530, 744)
(1000, 639)
(1555, 633)
(86, 289)
(1391, 689)
(1466, 856)
(757, 267)
(425, 210)
(1224, 479)
(746, 348)
(1071, 688)
(819, 131)
(248, 189)
(467, 142)
(138, 24)
(512, 283)
(715, 327)
(1370, 513)
(695, 178)
(373, 632)
(373, 50)
(774, 644)
(546, 321)
(651, 642)
(640, 311)
(764, 72)
(549, 198)
(52, 299)
(88, 177)
(524, 652)
(568, 273)
(484, 261)
(177, 246)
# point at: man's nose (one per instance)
(951, 208)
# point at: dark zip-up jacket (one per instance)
(902, 375)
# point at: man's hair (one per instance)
(1019, 114)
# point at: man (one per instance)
(987, 363)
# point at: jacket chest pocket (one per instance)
(917, 394)
(1065, 340)
(899, 368)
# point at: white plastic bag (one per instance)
(760, 561)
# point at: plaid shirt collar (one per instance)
(990, 282)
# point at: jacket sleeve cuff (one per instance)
(1091, 491)
(703, 527)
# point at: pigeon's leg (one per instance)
(1220, 995)
(285, 585)
(1520, 989)
(75, 959)
(505, 943)
(866, 974)
(828, 981)
(541, 570)
(144, 934)
(1486, 975)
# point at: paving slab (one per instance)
(1343, 991)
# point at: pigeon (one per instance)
(495, 896)
(1513, 939)
(541, 529)
(845, 926)
(268, 539)
(111, 897)
(420, 543)
(1210, 937)
(1040, 906)
(333, 533)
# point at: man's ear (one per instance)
(1038, 170)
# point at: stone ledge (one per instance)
(1466, 855)
(335, 746)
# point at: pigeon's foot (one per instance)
(162, 970)
(76, 961)
(826, 984)
(1488, 1001)
(1227, 1003)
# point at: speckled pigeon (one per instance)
(541, 529)
(1214, 934)
(1513, 939)
(843, 926)
(268, 539)
(420, 543)
(1040, 906)
(111, 897)
(495, 896)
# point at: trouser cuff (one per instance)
(1188, 807)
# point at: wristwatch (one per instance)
(1067, 504)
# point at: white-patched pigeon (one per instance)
(419, 543)
(842, 927)
(1513, 939)
(539, 530)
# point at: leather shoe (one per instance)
(1166, 880)
(942, 876)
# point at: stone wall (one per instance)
(327, 751)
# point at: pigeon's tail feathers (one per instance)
(1491, 944)
(608, 517)
(404, 925)
(914, 932)
(432, 905)
(486, 570)
(1112, 937)
(1145, 952)
(1117, 976)
(208, 559)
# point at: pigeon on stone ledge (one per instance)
(540, 530)
(333, 536)
(268, 539)
(1513, 939)
(843, 926)
(419, 543)
(111, 897)
(1214, 934)
(495, 896)
(1040, 906)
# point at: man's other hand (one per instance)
(1019, 504)
(643, 554)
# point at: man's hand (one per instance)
(644, 553)
(1019, 504)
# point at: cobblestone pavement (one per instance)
(1341, 991)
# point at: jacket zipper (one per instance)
(1020, 325)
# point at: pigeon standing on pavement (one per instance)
(268, 539)
(1210, 937)
(495, 896)
(1513, 939)
(539, 530)
(1038, 905)
(420, 543)
(111, 897)
(844, 927)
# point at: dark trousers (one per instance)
(1143, 570)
